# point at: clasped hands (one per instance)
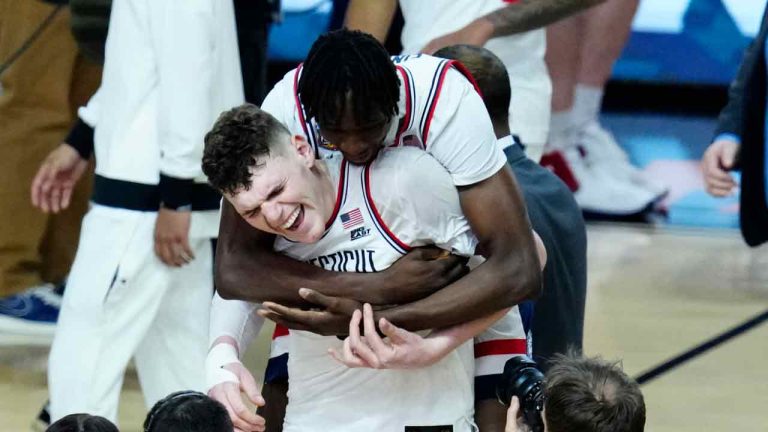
(397, 349)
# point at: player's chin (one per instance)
(362, 158)
(310, 236)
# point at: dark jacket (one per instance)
(90, 22)
(558, 323)
(744, 115)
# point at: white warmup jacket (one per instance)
(171, 67)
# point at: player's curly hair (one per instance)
(240, 138)
(348, 63)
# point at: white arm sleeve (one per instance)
(236, 319)
(461, 134)
(185, 67)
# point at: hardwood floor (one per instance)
(653, 293)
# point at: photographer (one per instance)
(577, 395)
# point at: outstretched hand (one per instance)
(330, 320)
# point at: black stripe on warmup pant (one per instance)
(700, 349)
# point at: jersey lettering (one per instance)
(357, 260)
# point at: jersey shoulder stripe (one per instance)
(425, 78)
(378, 222)
(341, 193)
(306, 124)
(407, 120)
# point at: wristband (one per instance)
(219, 356)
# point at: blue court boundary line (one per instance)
(700, 349)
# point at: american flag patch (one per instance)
(351, 218)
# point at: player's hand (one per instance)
(717, 161)
(475, 33)
(52, 186)
(418, 274)
(331, 320)
(229, 394)
(400, 350)
(172, 237)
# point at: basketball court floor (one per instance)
(653, 294)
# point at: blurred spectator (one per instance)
(188, 411)
(740, 143)
(511, 30)
(253, 18)
(44, 79)
(581, 51)
(587, 395)
(90, 23)
(142, 280)
(82, 423)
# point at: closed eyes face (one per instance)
(285, 198)
(360, 143)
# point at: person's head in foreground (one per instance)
(82, 423)
(491, 77)
(591, 395)
(349, 86)
(270, 177)
(188, 411)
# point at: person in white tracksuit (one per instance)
(142, 279)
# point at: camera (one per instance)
(523, 379)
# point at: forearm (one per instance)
(371, 16)
(730, 118)
(248, 269)
(527, 15)
(450, 338)
(484, 291)
(496, 212)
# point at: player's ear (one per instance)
(304, 150)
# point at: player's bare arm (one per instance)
(520, 17)
(247, 268)
(527, 15)
(372, 16)
(509, 275)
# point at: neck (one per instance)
(326, 187)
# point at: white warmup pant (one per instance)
(121, 301)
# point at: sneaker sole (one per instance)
(21, 327)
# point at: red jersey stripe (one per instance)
(279, 331)
(501, 346)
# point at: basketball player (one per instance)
(349, 218)
(354, 99)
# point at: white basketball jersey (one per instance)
(327, 396)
